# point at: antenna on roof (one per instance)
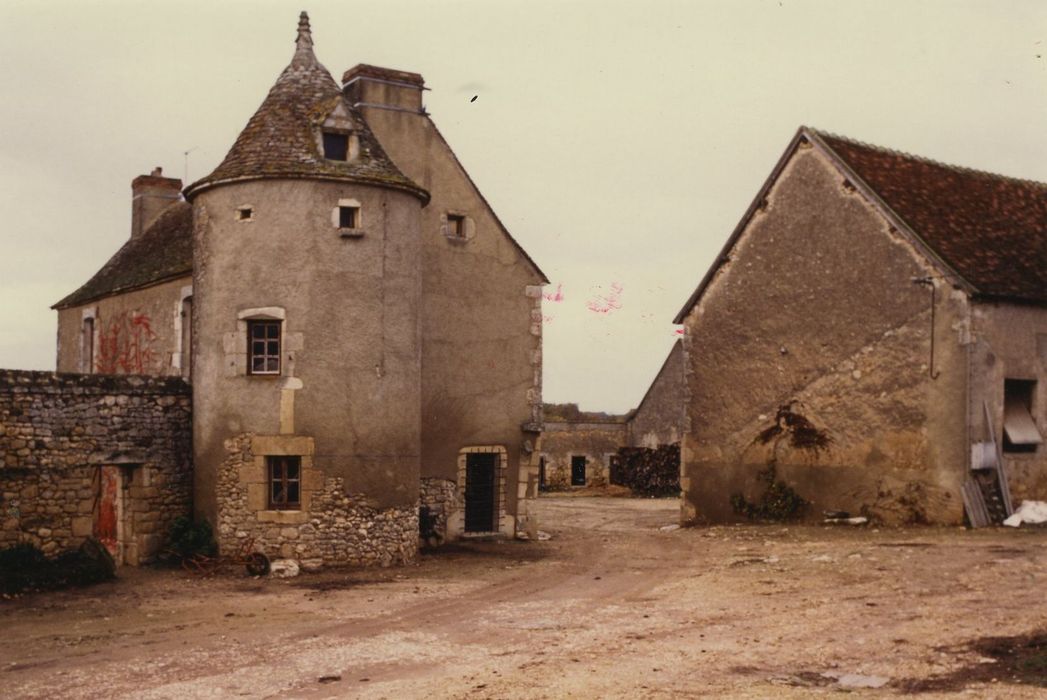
(185, 154)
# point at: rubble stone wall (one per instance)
(334, 527)
(58, 430)
(441, 497)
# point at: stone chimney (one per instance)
(371, 86)
(150, 195)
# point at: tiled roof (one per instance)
(990, 229)
(280, 139)
(164, 251)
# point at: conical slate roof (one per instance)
(280, 140)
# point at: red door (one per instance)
(106, 520)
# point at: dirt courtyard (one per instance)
(612, 606)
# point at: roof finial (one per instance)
(305, 35)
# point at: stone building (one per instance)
(872, 330)
(361, 332)
(579, 447)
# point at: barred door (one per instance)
(481, 491)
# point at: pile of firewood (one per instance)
(648, 472)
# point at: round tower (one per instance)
(306, 361)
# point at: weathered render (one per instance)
(362, 334)
(65, 437)
(481, 328)
(662, 413)
(815, 348)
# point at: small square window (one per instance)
(263, 347)
(348, 217)
(285, 482)
(456, 225)
(244, 214)
(336, 146)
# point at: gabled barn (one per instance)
(874, 336)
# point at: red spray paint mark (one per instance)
(124, 345)
(678, 331)
(556, 296)
(606, 303)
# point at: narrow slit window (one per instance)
(456, 226)
(285, 483)
(87, 351)
(348, 217)
(1020, 433)
(263, 347)
(336, 146)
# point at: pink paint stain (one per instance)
(556, 296)
(606, 303)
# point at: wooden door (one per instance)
(481, 491)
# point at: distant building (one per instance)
(579, 448)
(362, 334)
(874, 329)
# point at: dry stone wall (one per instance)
(57, 431)
(338, 528)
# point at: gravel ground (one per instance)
(612, 606)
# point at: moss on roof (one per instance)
(280, 140)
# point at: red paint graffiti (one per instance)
(606, 303)
(556, 296)
(124, 345)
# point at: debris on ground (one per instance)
(543, 536)
(284, 568)
(857, 680)
(669, 528)
(1032, 512)
(843, 518)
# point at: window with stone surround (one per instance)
(263, 347)
(285, 482)
(456, 225)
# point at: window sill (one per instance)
(351, 233)
(287, 517)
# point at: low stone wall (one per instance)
(441, 497)
(337, 528)
(59, 431)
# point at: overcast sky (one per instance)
(620, 142)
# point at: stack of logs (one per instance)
(648, 472)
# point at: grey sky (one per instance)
(620, 142)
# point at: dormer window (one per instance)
(336, 146)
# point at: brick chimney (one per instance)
(372, 86)
(150, 195)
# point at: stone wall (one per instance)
(334, 527)
(815, 309)
(662, 414)
(57, 433)
(441, 497)
(597, 442)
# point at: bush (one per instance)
(779, 501)
(187, 538)
(24, 568)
